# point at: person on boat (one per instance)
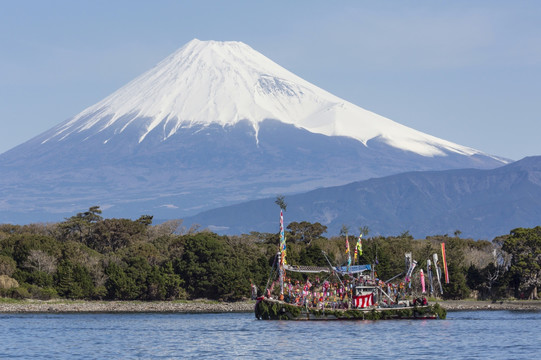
(419, 301)
(307, 285)
(287, 298)
(345, 300)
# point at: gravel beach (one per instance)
(57, 306)
(461, 305)
(196, 306)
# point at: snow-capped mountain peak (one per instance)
(208, 82)
(179, 139)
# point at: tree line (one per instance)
(90, 257)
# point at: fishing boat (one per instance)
(350, 292)
(360, 298)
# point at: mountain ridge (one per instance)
(480, 203)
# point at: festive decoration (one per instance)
(358, 249)
(422, 275)
(444, 259)
(282, 251)
(347, 251)
(438, 271)
(363, 301)
(282, 240)
(430, 276)
(412, 266)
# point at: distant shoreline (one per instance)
(467, 305)
(202, 306)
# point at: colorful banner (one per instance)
(282, 250)
(358, 249)
(282, 240)
(347, 251)
(410, 271)
(438, 271)
(444, 260)
(363, 300)
(422, 275)
(355, 269)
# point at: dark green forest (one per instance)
(93, 258)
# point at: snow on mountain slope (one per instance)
(214, 124)
(208, 82)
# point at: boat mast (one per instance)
(282, 253)
(282, 247)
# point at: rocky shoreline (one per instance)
(467, 305)
(56, 306)
(125, 307)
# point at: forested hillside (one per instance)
(89, 257)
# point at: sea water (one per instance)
(464, 335)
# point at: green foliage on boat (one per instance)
(276, 311)
(273, 310)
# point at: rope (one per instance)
(271, 273)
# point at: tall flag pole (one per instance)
(444, 260)
(282, 252)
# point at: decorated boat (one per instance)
(350, 292)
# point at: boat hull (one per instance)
(270, 309)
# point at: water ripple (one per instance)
(464, 335)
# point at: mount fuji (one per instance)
(213, 124)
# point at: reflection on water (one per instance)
(464, 335)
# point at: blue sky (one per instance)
(465, 71)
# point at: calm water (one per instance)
(464, 335)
